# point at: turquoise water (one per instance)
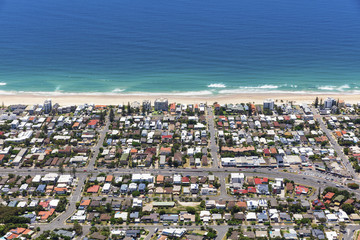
(188, 47)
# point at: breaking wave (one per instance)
(118, 90)
(334, 88)
(217, 85)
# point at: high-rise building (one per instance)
(47, 106)
(269, 104)
(146, 105)
(329, 102)
(161, 104)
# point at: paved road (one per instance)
(338, 149)
(221, 231)
(223, 192)
(221, 173)
(151, 232)
(96, 149)
(213, 143)
(350, 230)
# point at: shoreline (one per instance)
(115, 99)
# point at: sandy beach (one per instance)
(114, 99)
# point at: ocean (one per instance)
(180, 47)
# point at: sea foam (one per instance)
(334, 88)
(118, 90)
(217, 85)
(266, 86)
(260, 88)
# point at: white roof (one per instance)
(78, 218)
(50, 177)
(142, 177)
(122, 215)
(251, 215)
(177, 178)
(237, 175)
(33, 203)
(36, 179)
(22, 204)
(331, 216)
(54, 202)
(331, 235)
(205, 213)
(65, 179)
(106, 186)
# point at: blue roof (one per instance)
(12, 203)
(169, 217)
(41, 187)
(263, 188)
(29, 215)
(142, 186)
(262, 216)
(134, 215)
(132, 233)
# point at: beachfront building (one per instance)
(146, 105)
(47, 106)
(329, 102)
(135, 105)
(161, 104)
(269, 104)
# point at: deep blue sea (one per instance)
(187, 47)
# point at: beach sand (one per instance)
(115, 99)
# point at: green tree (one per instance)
(191, 210)
(61, 169)
(211, 233)
(316, 102)
(78, 228)
(44, 129)
(102, 117)
(353, 185)
(348, 208)
(129, 108)
(123, 109)
(135, 193)
(111, 115)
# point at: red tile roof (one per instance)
(46, 214)
(301, 190)
(109, 178)
(93, 189)
(18, 230)
(93, 122)
(241, 191)
(185, 180)
(329, 195)
(166, 136)
(85, 202)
